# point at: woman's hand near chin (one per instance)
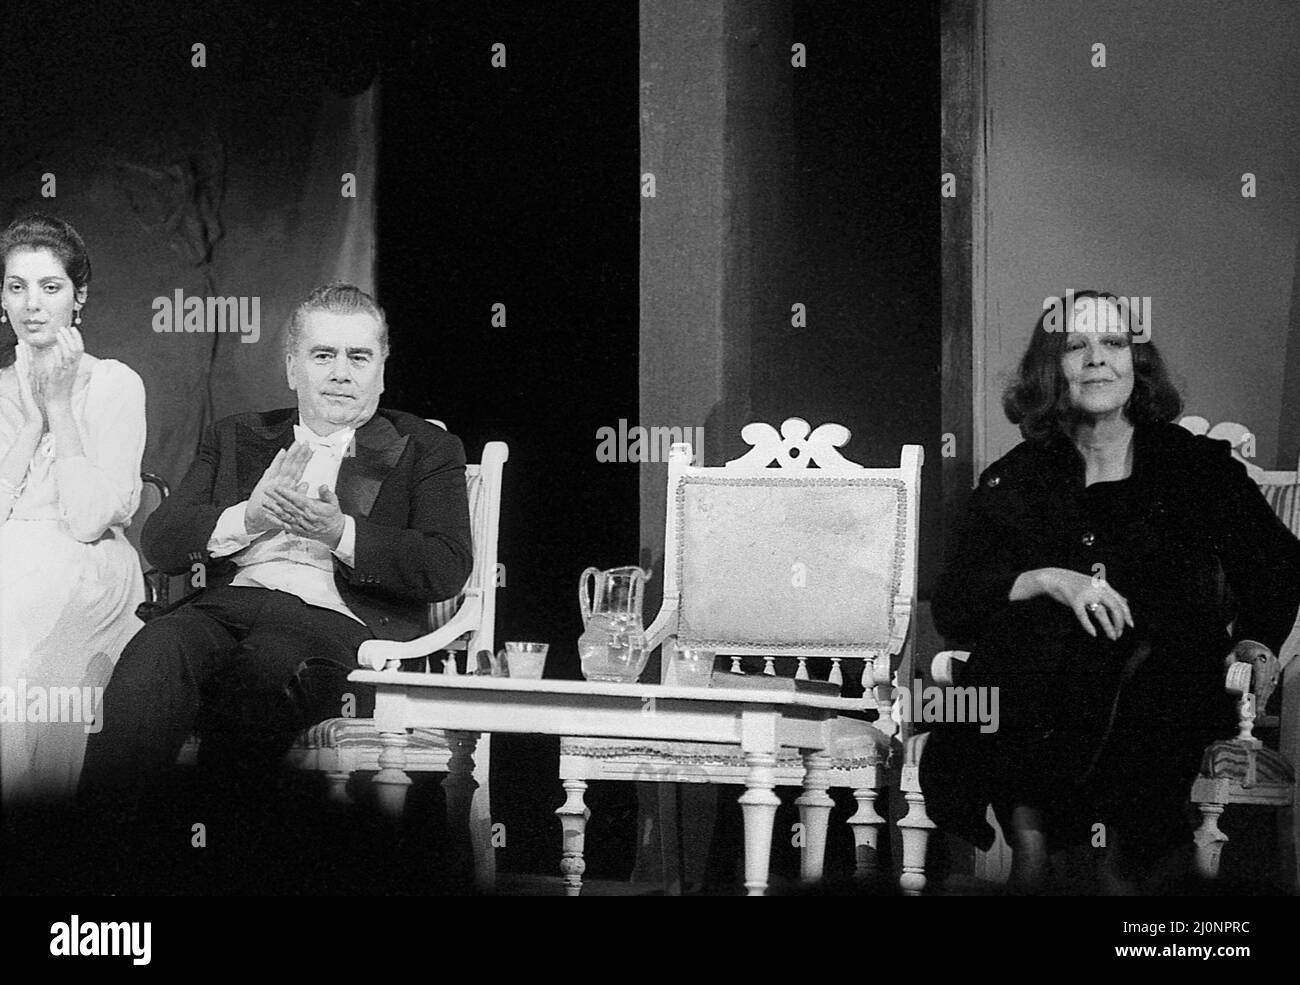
(59, 374)
(1087, 597)
(54, 388)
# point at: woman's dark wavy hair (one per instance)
(1038, 399)
(43, 232)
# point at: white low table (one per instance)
(760, 722)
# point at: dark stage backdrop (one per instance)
(213, 172)
(517, 186)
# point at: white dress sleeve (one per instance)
(101, 488)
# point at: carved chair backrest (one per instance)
(793, 551)
(1280, 487)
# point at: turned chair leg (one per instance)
(1209, 840)
(458, 787)
(670, 848)
(573, 815)
(758, 806)
(867, 824)
(815, 814)
(338, 786)
(391, 782)
(916, 824)
(480, 820)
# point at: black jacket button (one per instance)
(1088, 539)
(994, 480)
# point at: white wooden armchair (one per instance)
(1240, 770)
(340, 747)
(791, 553)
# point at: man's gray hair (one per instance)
(337, 299)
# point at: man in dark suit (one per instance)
(318, 528)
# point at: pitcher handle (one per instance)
(638, 589)
(586, 597)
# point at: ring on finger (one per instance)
(1093, 606)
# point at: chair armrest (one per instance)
(1238, 679)
(387, 654)
(1266, 673)
(146, 611)
(943, 668)
(1237, 682)
(664, 626)
(157, 590)
(157, 585)
(900, 624)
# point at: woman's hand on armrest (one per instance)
(1077, 591)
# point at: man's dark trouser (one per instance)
(247, 668)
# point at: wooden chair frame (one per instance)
(793, 449)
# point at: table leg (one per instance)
(458, 789)
(573, 819)
(815, 813)
(391, 781)
(758, 804)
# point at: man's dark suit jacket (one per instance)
(404, 487)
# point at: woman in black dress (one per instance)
(1108, 567)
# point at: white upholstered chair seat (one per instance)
(353, 744)
(339, 747)
(1248, 766)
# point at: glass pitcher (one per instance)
(612, 646)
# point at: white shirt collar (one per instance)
(336, 443)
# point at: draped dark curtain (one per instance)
(215, 171)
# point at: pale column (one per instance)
(716, 134)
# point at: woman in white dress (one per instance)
(72, 431)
